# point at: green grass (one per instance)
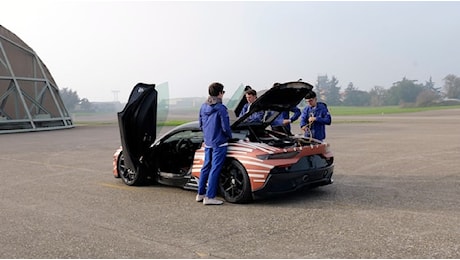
(335, 111)
(94, 123)
(173, 123)
(356, 111)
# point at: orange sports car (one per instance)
(260, 162)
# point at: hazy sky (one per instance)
(96, 47)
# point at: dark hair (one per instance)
(252, 92)
(215, 89)
(310, 94)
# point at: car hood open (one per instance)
(280, 97)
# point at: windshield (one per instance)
(233, 102)
(236, 102)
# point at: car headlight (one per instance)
(277, 155)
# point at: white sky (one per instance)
(96, 47)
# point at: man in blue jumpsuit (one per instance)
(315, 116)
(215, 124)
(251, 96)
(282, 123)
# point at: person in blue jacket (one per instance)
(315, 116)
(215, 124)
(251, 96)
(283, 121)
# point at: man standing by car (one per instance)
(315, 116)
(215, 124)
(251, 96)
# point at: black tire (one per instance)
(128, 176)
(120, 164)
(234, 183)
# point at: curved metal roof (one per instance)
(29, 96)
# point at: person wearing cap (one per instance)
(215, 124)
(315, 116)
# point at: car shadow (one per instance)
(299, 196)
(372, 192)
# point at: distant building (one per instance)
(103, 107)
(192, 102)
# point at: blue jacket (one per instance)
(215, 123)
(255, 117)
(285, 115)
(323, 118)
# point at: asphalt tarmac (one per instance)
(396, 195)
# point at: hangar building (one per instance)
(29, 96)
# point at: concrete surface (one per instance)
(396, 195)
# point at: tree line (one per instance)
(73, 102)
(405, 92)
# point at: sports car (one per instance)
(260, 162)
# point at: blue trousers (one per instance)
(214, 159)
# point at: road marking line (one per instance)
(116, 186)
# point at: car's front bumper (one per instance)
(288, 181)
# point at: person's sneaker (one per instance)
(199, 198)
(209, 201)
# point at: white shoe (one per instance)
(209, 201)
(199, 198)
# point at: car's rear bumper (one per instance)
(288, 181)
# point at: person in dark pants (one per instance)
(315, 116)
(215, 124)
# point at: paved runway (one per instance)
(396, 195)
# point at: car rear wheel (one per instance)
(121, 167)
(130, 177)
(234, 183)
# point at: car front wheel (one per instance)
(234, 183)
(130, 177)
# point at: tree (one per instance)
(378, 96)
(429, 85)
(404, 92)
(426, 98)
(69, 98)
(322, 84)
(452, 86)
(328, 91)
(85, 105)
(356, 97)
(333, 93)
